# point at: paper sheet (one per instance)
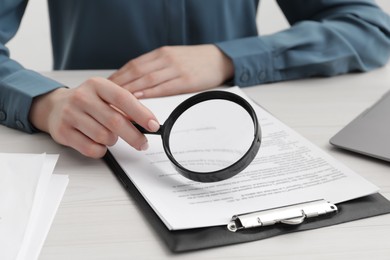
(287, 170)
(40, 226)
(26, 184)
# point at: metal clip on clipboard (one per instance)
(291, 215)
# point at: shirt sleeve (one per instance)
(18, 86)
(326, 38)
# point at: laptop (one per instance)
(369, 133)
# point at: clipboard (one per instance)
(202, 238)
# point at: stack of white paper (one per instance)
(29, 198)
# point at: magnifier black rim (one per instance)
(226, 172)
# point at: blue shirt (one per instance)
(326, 38)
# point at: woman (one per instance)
(169, 47)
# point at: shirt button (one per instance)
(245, 76)
(19, 124)
(261, 76)
(3, 115)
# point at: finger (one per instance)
(169, 88)
(136, 71)
(102, 123)
(113, 95)
(124, 101)
(137, 68)
(108, 93)
(152, 79)
(96, 131)
(83, 144)
(119, 123)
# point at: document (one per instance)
(29, 198)
(288, 169)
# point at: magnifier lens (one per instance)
(211, 135)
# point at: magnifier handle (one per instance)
(144, 131)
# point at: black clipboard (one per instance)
(202, 238)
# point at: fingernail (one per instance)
(145, 146)
(138, 94)
(153, 125)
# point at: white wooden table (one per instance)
(98, 220)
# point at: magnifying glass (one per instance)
(210, 136)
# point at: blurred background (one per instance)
(31, 46)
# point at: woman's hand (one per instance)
(174, 70)
(92, 116)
